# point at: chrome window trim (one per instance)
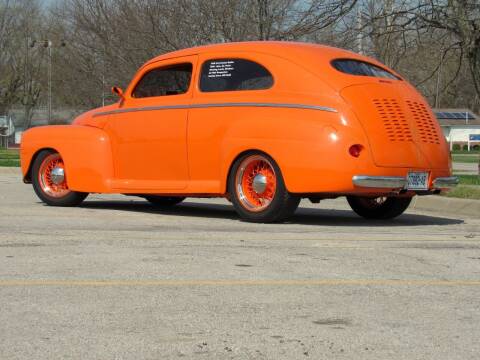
(214, 105)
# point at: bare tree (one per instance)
(20, 61)
(461, 19)
(434, 43)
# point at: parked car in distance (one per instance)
(263, 124)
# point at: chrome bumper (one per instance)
(399, 182)
(389, 182)
(445, 182)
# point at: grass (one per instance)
(465, 192)
(9, 158)
(468, 179)
(465, 152)
(474, 158)
(467, 188)
(9, 162)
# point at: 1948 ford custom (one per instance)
(263, 124)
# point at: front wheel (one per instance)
(49, 181)
(381, 207)
(257, 189)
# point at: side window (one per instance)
(169, 80)
(233, 75)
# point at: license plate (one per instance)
(417, 180)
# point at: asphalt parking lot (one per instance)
(120, 279)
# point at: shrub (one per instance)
(456, 147)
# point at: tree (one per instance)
(20, 62)
(461, 19)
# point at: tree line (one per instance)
(94, 44)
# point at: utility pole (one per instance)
(49, 45)
(29, 44)
(359, 29)
(437, 100)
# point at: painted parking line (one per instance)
(193, 283)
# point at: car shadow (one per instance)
(303, 216)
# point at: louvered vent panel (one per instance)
(426, 128)
(394, 120)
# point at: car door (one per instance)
(149, 130)
(226, 81)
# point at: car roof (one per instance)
(285, 49)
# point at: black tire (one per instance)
(73, 198)
(164, 201)
(374, 208)
(282, 205)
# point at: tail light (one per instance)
(355, 150)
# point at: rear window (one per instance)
(234, 75)
(362, 68)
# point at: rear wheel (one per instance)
(381, 207)
(49, 181)
(165, 201)
(257, 189)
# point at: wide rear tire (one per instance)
(381, 208)
(49, 180)
(257, 189)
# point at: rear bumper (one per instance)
(399, 182)
(387, 182)
(445, 182)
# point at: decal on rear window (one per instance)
(234, 75)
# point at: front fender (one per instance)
(86, 152)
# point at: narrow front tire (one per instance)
(49, 180)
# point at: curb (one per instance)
(446, 205)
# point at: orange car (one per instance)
(263, 124)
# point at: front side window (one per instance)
(234, 75)
(169, 80)
(357, 67)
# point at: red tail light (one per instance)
(355, 150)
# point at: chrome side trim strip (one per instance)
(445, 182)
(389, 182)
(214, 105)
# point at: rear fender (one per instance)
(86, 152)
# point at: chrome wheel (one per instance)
(255, 183)
(51, 176)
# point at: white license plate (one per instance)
(417, 180)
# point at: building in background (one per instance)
(460, 126)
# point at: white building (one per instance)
(460, 126)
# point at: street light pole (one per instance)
(359, 30)
(49, 45)
(437, 89)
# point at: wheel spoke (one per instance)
(47, 185)
(252, 169)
